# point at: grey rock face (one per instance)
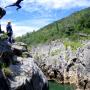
(19, 48)
(4, 47)
(84, 57)
(27, 76)
(53, 59)
(4, 85)
(62, 63)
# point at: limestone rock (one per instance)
(27, 76)
(24, 73)
(19, 48)
(4, 85)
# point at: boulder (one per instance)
(27, 76)
(5, 53)
(4, 47)
(84, 57)
(19, 48)
(24, 73)
(4, 85)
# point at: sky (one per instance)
(35, 14)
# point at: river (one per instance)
(55, 86)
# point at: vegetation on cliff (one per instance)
(74, 27)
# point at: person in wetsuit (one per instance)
(9, 31)
(17, 3)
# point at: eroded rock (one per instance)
(28, 75)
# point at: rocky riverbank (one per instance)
(18, 70)
(21, 69)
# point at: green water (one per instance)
(54, 86)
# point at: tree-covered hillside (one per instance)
(74, 27)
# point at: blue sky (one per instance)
(35, 14)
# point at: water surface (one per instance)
(55, 86)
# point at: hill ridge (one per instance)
(69, 27)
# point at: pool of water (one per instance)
(55, 86)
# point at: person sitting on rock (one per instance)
(17, 3)
(9, 31)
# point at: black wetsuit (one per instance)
(9, 32)
(17, 3)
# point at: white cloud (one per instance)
(4, 3)
(44, 7)
(18, 30)
(32, 5)
(37, 22)
(21, 30)
(54, 4)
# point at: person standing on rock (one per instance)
(9, 31)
